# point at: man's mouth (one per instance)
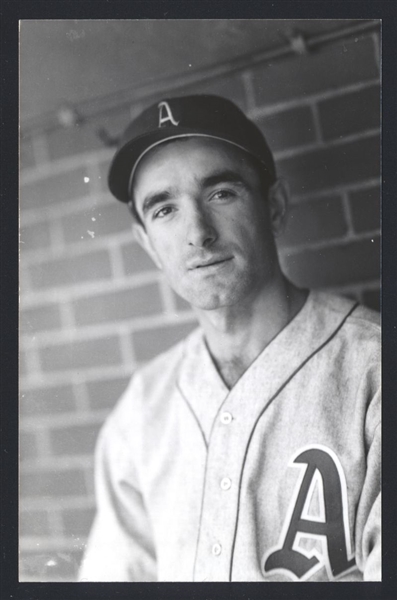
(211, 262)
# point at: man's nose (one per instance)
(200, 230)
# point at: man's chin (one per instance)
(211, 300)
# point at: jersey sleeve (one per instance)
(120, 546)
(368, 521)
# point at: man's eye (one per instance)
(223, 195)
(162, 212)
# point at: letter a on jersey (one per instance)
(321, 469)
(164, 107)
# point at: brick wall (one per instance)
(93, 307)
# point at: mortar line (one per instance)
(116, 262)
(64, 165)
(85, 290)
(331, 243)
(43, 442)
(67, 315)
(60, 421)
(317, 123)
(55, 522)
(338, 189)
(284, 105)
(103, 330)
(31, 503)
(40, 150)
(248, 90)
(348, 139)
(127, 349)
(348, 214)
(89, 481)
(57, 240)
(80, 396)
(31, 216)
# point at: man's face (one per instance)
(205, 221)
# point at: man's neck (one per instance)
(237, 335)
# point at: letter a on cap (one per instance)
(169, 117)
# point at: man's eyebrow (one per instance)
(223, 177)
(153, 199)
(226, 176)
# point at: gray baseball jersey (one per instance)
(277, 479)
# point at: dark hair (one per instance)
(264, 179)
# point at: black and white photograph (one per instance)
(199, 334)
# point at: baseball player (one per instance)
(250, 451)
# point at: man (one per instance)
(251, 450)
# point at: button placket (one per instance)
(229, 444)
(219, 508)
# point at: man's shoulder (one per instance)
(355, 328)
(355, 315)
(162, 369)
(149, 383)
(166, 363)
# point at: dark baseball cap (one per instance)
(186, 116)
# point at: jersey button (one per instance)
(216, 549)
(226, 418)
(226, 483)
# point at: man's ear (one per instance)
(143, 240)
(278, 203)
